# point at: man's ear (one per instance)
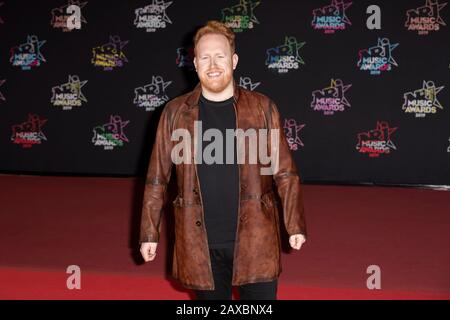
(195, 63)
(235, 60)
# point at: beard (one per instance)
(216, 85)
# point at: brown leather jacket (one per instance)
(257, 246)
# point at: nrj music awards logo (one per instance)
(286, 56)
(332, 17)
(152, 95)
(377, 58)
(425, 18)
(111, 134)
(29, 133)
(377, 141)
(69, 95)
(423, 101)
(240, 17)
(292, 133)
(331, 99)
(247, 83)
(153, 16)
(185, 58)
(28, 55)
(110, 55)
(68, 17)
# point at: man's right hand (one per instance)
(148, 250)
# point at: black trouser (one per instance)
(222, 268)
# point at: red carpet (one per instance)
(49, 223)
(45, 284)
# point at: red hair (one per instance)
(215, 27)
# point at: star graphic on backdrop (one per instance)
(253, 5)
(385, 41)
(118, 124)
(430, 3)
(383, 125)
(431, 92)
(344, 6)
(288, 124)
(76, 85)
(165, 5)
(294, 46)
(338, 82)
(34, 41)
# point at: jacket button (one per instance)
(243, 218)
(243, 186)
(198, 223)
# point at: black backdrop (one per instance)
(327, 145)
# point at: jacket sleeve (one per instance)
(287, 180)
(157, 179)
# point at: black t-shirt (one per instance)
(219, 182)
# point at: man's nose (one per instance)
(213, 62)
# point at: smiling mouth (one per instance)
(214, 74)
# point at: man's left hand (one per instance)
(296, 241)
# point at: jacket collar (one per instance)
(194, 96)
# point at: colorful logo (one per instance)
(153, 16)
(292, 133)
(110, 55)
(423, 101)
(286, 56)
(377, 58)
(69, 95)
(111, 134)
(152, 95)
(377, 141)
(331, 99)
(2, 97)
(28, 55)
(62, 16)
(29, 133)
(240, 17)
(425, 18)
(332, 17)
(247, 83)
(185, 58)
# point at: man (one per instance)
(226, 215)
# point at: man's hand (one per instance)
(148, 250)
(296, 241)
